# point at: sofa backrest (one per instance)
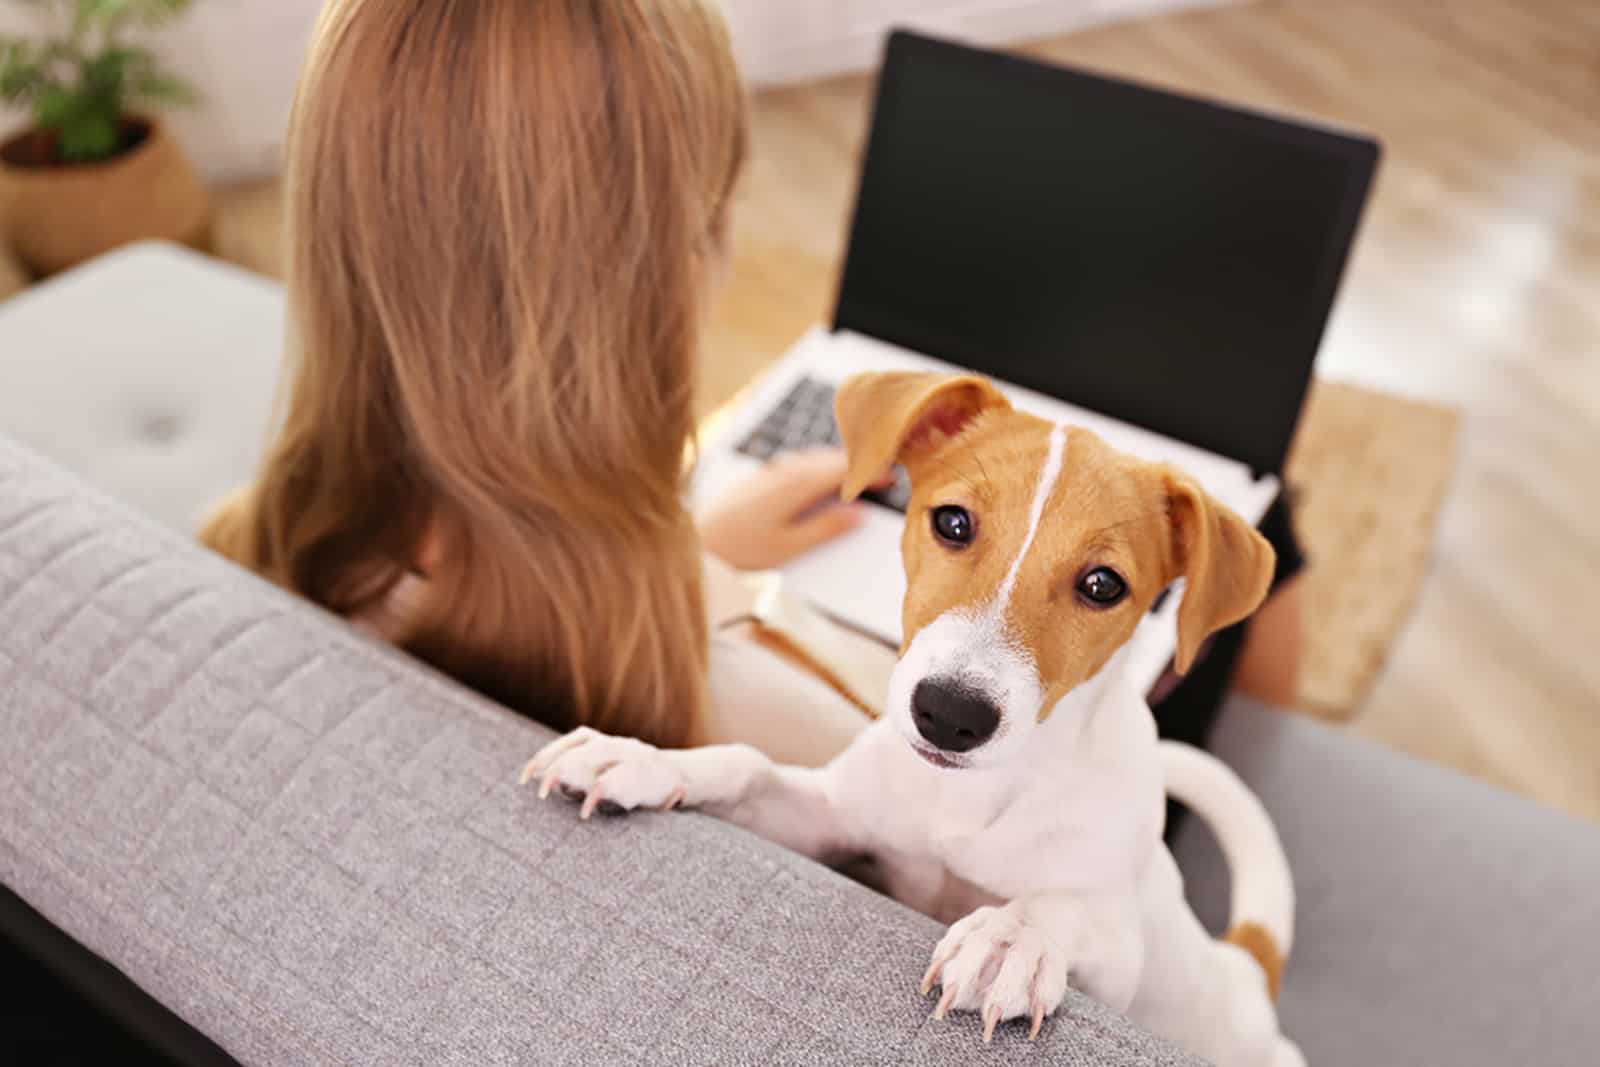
(314, 850)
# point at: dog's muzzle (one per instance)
(952, 718)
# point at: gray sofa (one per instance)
(311, 849)
(314, 851)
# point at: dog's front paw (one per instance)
(994, 962)
(619, 773)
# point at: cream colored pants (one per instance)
(761, 698)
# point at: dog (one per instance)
(1015, 785)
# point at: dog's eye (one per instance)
(952, 525)
(1102, 587)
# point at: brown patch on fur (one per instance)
(1263, 949)
(1102, 511)
(890, 417)
(1228, 565)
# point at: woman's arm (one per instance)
(786, 508)
(225, 528)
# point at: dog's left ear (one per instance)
(887, 417)
(1227, 566)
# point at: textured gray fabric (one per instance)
(314, 851)
(1440, 921)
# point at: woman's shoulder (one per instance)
(225, 528)
(389, 618)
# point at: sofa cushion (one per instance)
(150, 371)
(314, 850)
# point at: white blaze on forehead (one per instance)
(1041, 494)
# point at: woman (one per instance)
(506, 219)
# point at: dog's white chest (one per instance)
(938, 844)
(931, 888)
(935, 877)
(947, 842)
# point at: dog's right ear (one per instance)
(1227, 566)
(889, 417)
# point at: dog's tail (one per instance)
(1262, 919)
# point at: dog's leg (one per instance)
(787, 805)
(1288, 1054)
(1014, 961)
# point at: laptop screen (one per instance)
(1162, 260)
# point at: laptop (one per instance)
(1154, 267)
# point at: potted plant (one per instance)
(94, 169)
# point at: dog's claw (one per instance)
(990, 1018)
(1038, 1021)
(945, 1001)
(932, 976)
(547, 783)
(547, 756)
(597, 793)
(675, 800)
(935, 969)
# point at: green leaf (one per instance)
(91, 11)
(157, 88)
(112, 70)
(55, 107)
(147, 13)
(89, 137)
(21, 71)
(104, 72)
(167, 10)
(84, 72)
(14, 48)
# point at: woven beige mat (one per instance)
(1370, 471)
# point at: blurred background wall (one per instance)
(244, 55)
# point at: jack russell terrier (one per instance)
(1015, 781)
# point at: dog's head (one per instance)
(1031, 552)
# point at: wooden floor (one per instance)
(1476, 282)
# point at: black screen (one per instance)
(1159, 259)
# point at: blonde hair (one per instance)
(500, 216)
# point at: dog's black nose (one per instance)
(951, 718)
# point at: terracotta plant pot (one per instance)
(12, 278)
(60, 214)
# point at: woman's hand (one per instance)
(789, 506)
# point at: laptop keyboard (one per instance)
(804, 419)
